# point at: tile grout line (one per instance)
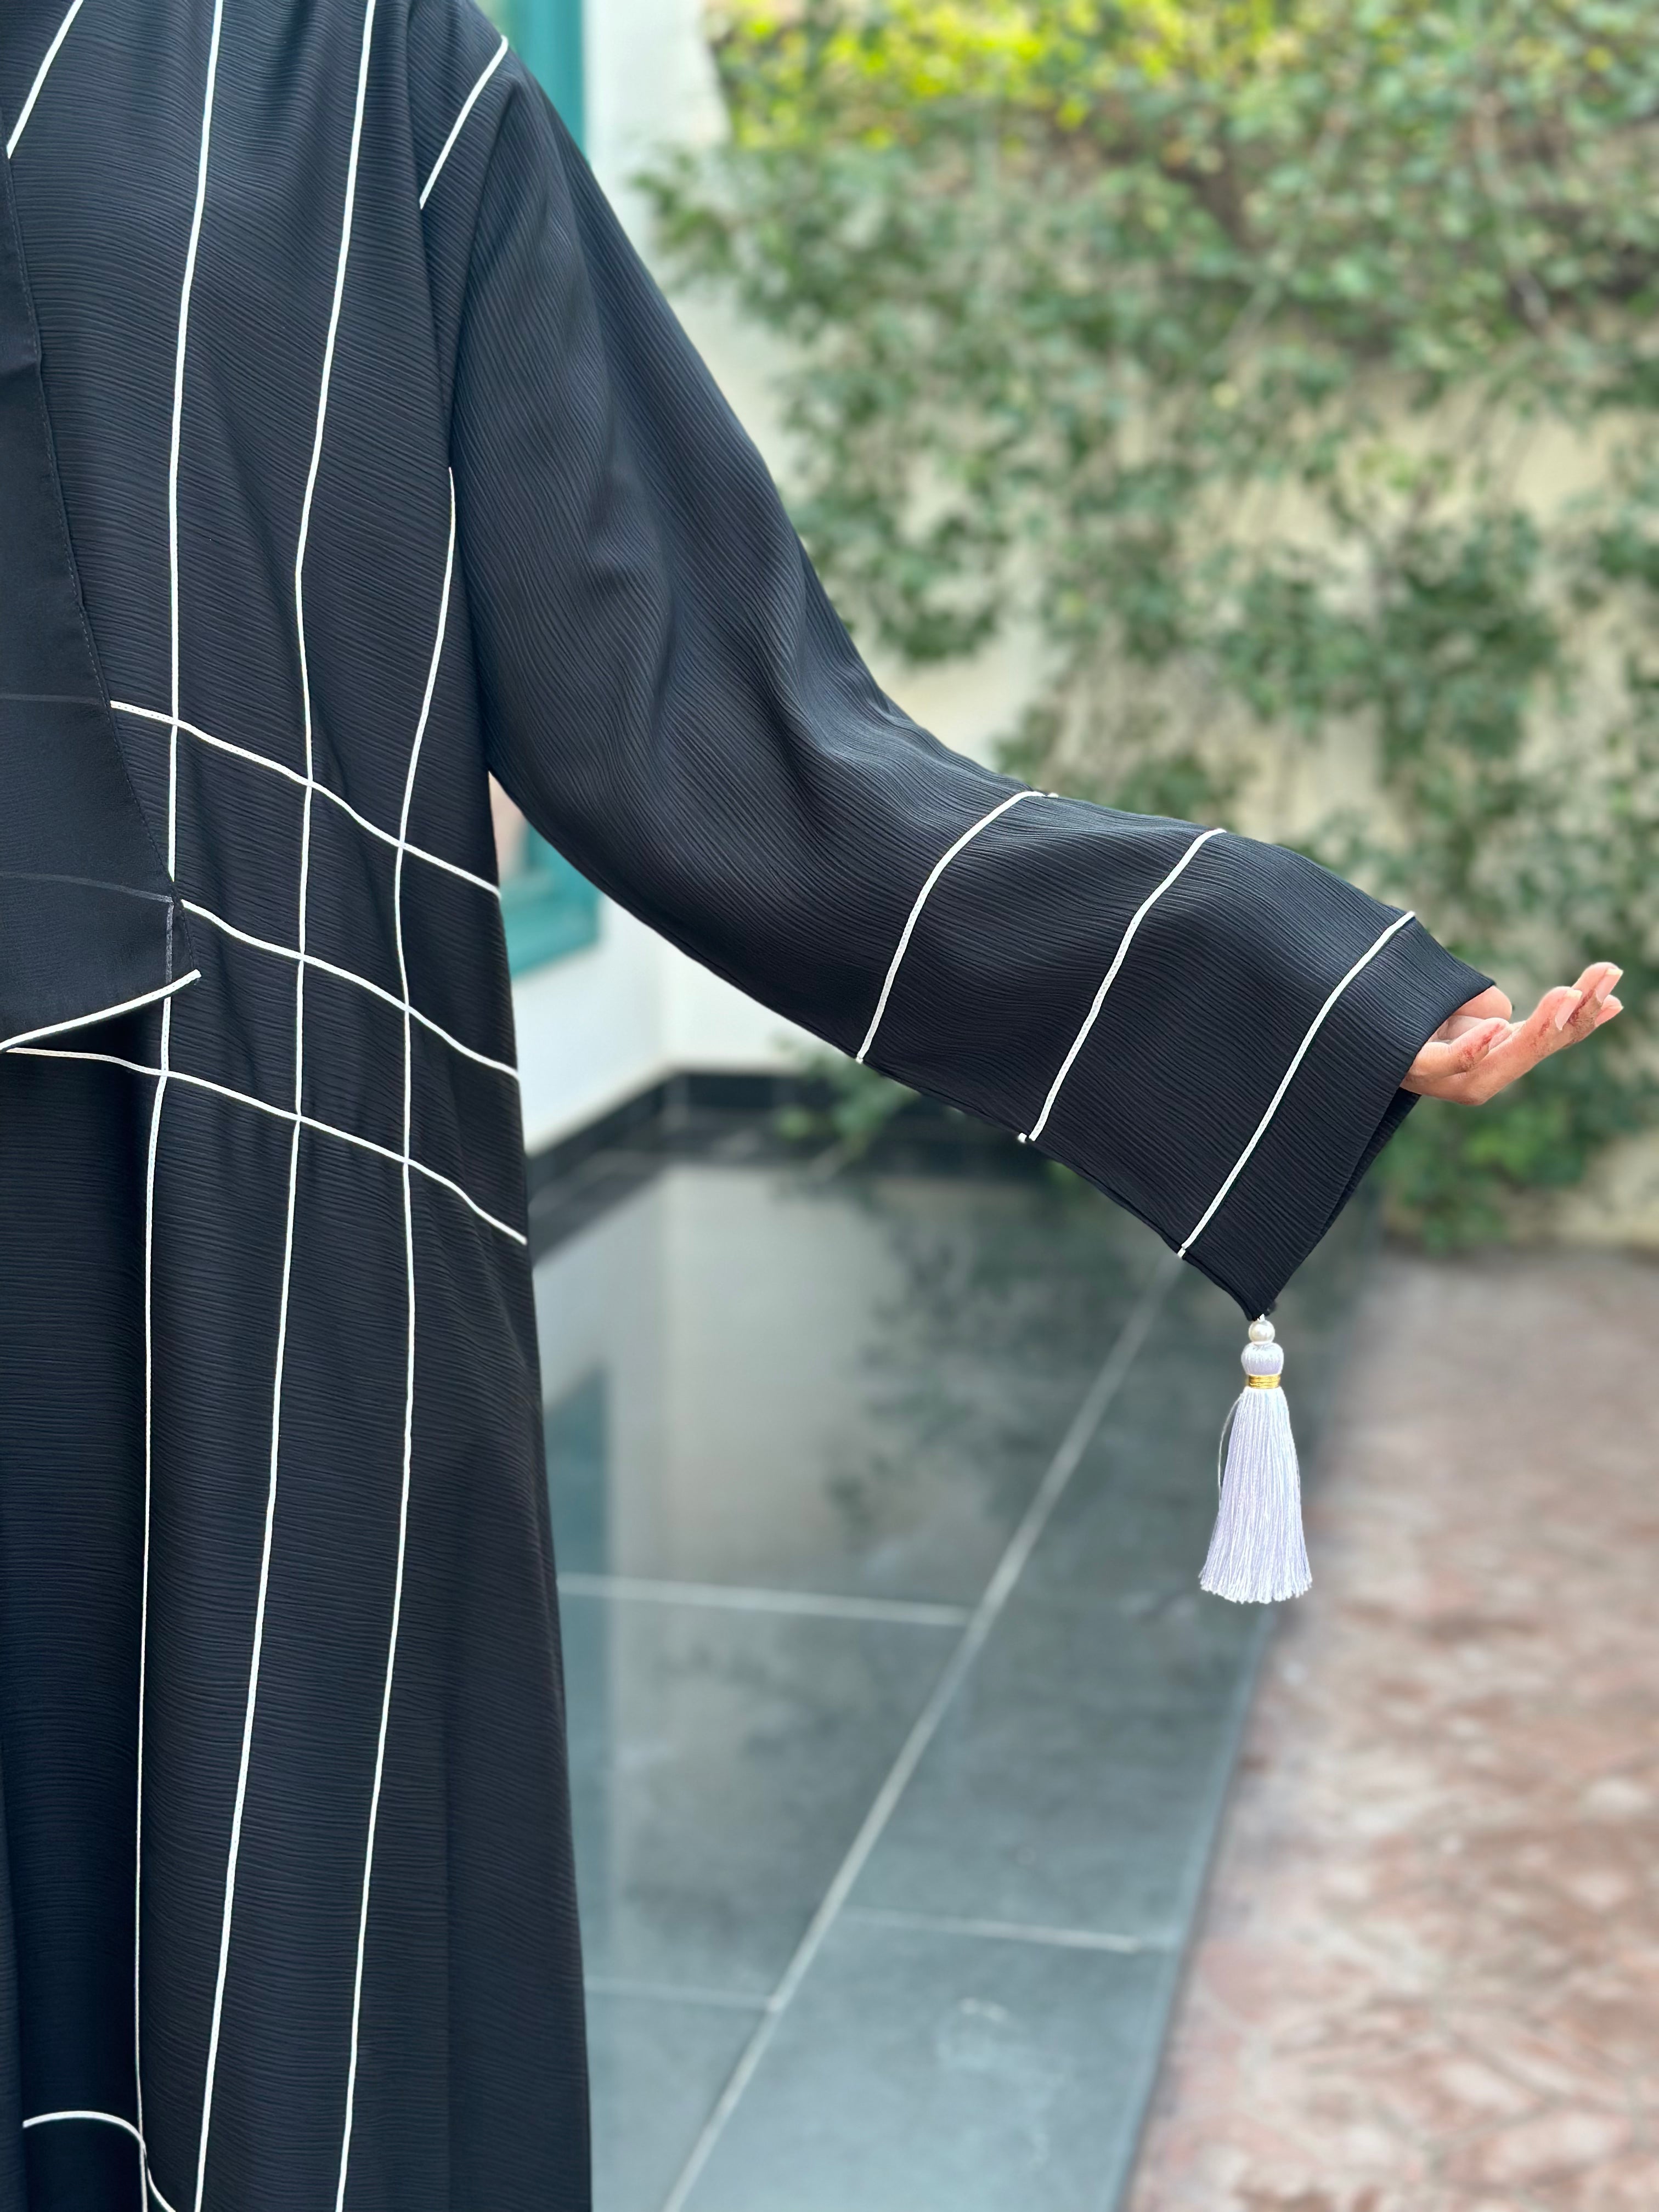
(1010, 1931)
(689, 1993)
(744, 1597)
(986, 1614)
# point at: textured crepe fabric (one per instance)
(383, 464)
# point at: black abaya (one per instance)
(358, 456)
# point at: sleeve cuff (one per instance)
(1341, 1107)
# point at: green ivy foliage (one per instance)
(1291, 366)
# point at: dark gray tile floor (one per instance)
(792, 1430)
(925, 2069)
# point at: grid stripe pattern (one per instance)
(251, 1710)
(164, 1074)
(306, 783)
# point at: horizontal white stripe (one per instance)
(103, 2119)
(1313, 1027)
(459, 124)
(1124, 942)
(921, 898)
(284, 1113)
(347, 975)
(455, 1191)
(242, 936)
(103, 1014)
(501, 1066)
(297, 776)
(27, 108)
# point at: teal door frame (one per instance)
(549, 909)
(547, 34)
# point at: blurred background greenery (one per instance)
(1287, 369)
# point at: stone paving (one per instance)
(1428, 1976)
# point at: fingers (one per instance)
(1574, 1011)
(1446, 1062)
(1470, 1062)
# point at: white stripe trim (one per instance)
(245, 1756)
(348, 975)
(286, 1114)
(501, 1066)
(27, 108)
(151, 1157)
(295, 776)
(103, 1014)
(465, 1197)
(207, 737)
(459, 124)
(1313, 1027)
(175, 445)
(409, 1383)
(257, 1653)
(1093, 1014)
(109, 2120)
(415, 852)
(937, 871)
(105, 2119)
(243, 936)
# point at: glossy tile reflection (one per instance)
(840, 1388)
(720, 1762)
(790, 1428)
(921, 2072)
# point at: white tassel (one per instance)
(1257, 1554)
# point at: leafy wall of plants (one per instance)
(1292, 367)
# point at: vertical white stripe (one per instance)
(252, 1708)
(174, 447)
(459, 124)
(409, 1374)
(1093, 1014)
(40, 76)
(1313, 1027)
(143, 1596)
(921, 898)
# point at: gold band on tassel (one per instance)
(1261, 1382)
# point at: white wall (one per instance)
(598, 1027)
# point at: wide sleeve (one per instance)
(1211, 1030)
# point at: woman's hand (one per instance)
(1480, 1051)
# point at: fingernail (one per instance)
(1569, 1007)
(1604, 990)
